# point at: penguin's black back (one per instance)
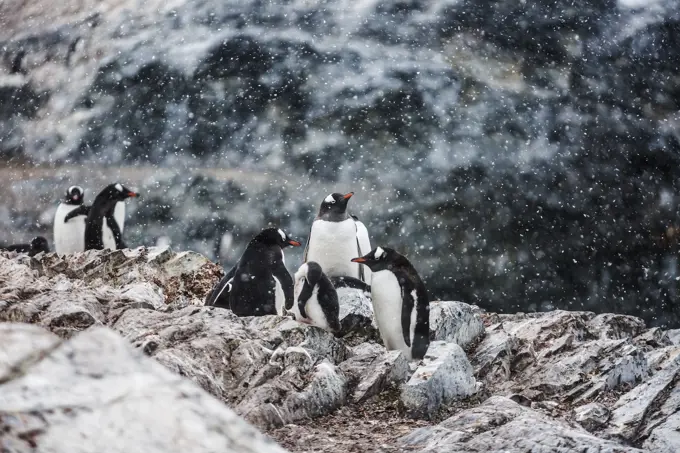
(326, 295)
(253, 290)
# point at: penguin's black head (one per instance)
(275, 236)
(380, 259)
(311, 271)
(335, 206)
(74, 195)
(116, 192)
(39, 244)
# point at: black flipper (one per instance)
(407, 303)
(356, 237)
(304, 296)
(115, 229)
(217, 294)
(309, 239)
(80, 210)
(350, 282)
(421, 335)
(286, 281)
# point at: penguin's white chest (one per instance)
(387, 305)
(279, 297)
(68, 237)
(333, 245)
(315, 314)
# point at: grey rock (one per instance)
(455, 322)
(610, 326)
(373, 369)
(591, 416)
(356, 313)
(674, 336)
(640, 404)
(444, 376)
(80, 395)
(501, 425)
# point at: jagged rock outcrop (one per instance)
(553, 381)
(95, 392)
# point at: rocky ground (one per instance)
(558, 381)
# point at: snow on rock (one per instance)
(95, 392)
(444, 376)
(455, 322)
(591, 416)
(374, 369)
(501, 425)
(356, 312)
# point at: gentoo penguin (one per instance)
(38, 244)
(316, 301)
(70, 237)
(334, 240)
(259, 284)
(109, 236)
(400, 302)
(103, 207)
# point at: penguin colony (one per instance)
(78, 227)
(337, 254)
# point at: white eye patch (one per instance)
(379, 252)
(329, 199)
(282, 234)
(119, 187)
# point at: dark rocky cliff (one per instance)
(525, 155)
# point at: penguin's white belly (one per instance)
(107, 234)
(333, 245)
(279, 297)
(68, 237)
(387, 303)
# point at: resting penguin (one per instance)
(70, 237)
(400, 302)
(259, 284)
(316, 301)
(103, 207)
(38, 244)
(334, 239)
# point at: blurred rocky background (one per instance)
(524, 155)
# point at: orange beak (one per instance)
(294, 243)
(349, 195)
(132, 194)
(358, 260)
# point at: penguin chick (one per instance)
(316, 301)
(400, 302)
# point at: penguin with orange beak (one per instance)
(259, 284)
(336, 237)
(400, 302)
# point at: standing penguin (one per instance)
(38, 244)
(103, 207)
(70, 237)
(334, 239)
(400, 302)
(259, 284)
(316, 301)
